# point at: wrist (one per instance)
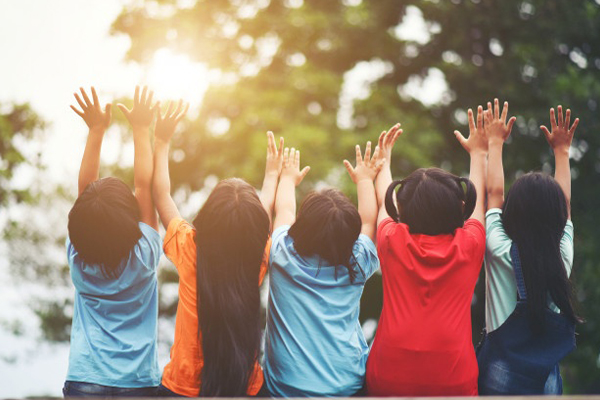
(476, 153)
(561, 151)
(364, 180)
(97, 131)
(270, 174)
(495, 142)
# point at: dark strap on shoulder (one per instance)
(516, 261)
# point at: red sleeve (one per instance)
(475, 234)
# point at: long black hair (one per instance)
(534, 216)
(104, 224)
(431, 201)
(328, 225)
(232, 230)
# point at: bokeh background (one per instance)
(325, 74)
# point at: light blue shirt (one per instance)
(114, 330)
(314, 344)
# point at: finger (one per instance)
(292, 160)
(169, 108)
(183, 112)
(158, 114)
(123, 109)
(510, 124)
(358, 154)
(86, 98)
(349, 168)
(136, 96)
(304, 172)
(381, 138)
(95, 97)
(77, 111)
(575, 123)
(479, 117)
(490, 110)
(379, 165)
(393, 133)
(461, 139)
(178, 109)
(280, 151)
(496, 109)
(546, 132)
(81, 103)
(297, 159)
(504, 111)
(552, 119)
(368, 152)
(396, 135)
(286, 156)
(376, 153)
(108, 110)
(143, 96)
(150, 96)
(471, 120)
(271, 149)
(561, 122)
(568, 118)
(487, 117)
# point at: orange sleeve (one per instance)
(179, 244)
(265, 263)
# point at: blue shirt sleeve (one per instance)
(365, 253)
(149, 248)
(277, 240)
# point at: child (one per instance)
(318, 268)
(113, 250)
(221, 260)
(431, 254)
(529, 256)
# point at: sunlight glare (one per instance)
(174, 76)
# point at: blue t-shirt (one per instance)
(114, 329)
(314, 343)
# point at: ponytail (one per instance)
(469, 196)
(390, 207)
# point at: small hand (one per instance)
(561, 136)
(367, 168)
(142, 112)
(92, 114)
(274, 155)
(387, 140)
(166, 124)
(291, 166)
(477, 141)
(496, 127)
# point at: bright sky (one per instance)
(49, 49)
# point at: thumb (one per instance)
(461, 139)
(304, 172)
(510, 124)
(123, 109)
(546, 132)
(349, 168)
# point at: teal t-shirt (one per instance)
(314, 343)
(114, 329)
(500, 282)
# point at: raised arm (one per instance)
(497, 131)
(384, 177)
(272, 170)
(363, 175)
(291, 176)
(161, 182)
(97, 122)
(140, 118)
(477, 147)
(560, 139)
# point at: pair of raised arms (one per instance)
(140, 116)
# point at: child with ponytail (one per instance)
(430, 241)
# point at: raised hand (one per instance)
(142, 113)
(561, 136)
(496, 127)
(274, 155)
(477, 141)
(91, 112)
(367, 168)
(291, 166)
(166, 124)
(387, 140)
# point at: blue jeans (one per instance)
(84, 389)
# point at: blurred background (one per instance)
(325, 74)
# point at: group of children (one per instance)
(427, 233)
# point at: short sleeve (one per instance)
(148, 248)
(567, 250)
(277, 240)
(475, 234)
(366, 255)
(179, 240)
(497, 241)
(383, 231)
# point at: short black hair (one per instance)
(104, 224)
(431, 201)
(328, 225)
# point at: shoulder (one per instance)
(179, 239)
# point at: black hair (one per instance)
(431, 201)
(534, 216)
(104, 224)
(328, 225)
(232, 229)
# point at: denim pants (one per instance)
(84, 389)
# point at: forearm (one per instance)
(161, 184)
(562, 174)
(495, 175)
(367, 207)
(142, 162)
(477, 176)
(90, 162)
(268, 193)
(285, 202)
(382, 183)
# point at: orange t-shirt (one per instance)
(182, 373)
